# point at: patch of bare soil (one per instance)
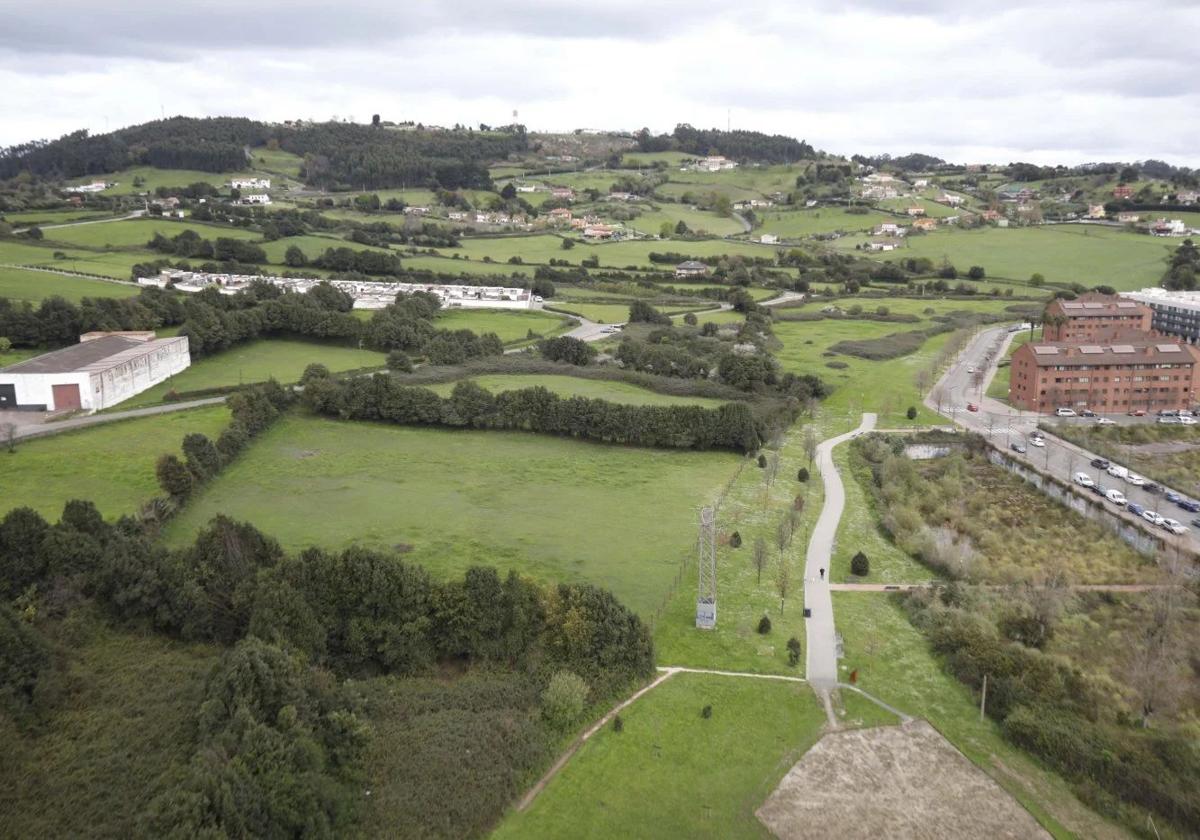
(896, 782)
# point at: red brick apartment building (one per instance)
(1095, 318)
(1145, 373)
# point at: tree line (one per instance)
(739, 145)
(56, 322)
(382, 398)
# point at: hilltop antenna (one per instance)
(706, 599)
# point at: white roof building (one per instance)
(102, 370)
(250, 183)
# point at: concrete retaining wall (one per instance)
(1139, 539)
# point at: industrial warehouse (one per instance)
(102, 370)
(366, 294)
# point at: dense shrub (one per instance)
(764, 625)
(24, 656)
(860, 565)
(794, 651)
(567, 349)
(564, 699)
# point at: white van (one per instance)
(1116, 497)
(1117, 471)
(1084, 480)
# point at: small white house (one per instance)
(691, 268)
(251, 183)
(103, 369)
(256, 198)
(94, 187)
(768, 239)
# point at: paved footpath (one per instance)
(55, 427)
(819, 630)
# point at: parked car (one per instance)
(1087, 412)
(1187, 421)
(1169, 420)
(1104, 421)
(1100, 463)
(1167, 412)
(970, 369)
(1135, 479)
(1018, 447)
(1037, 441)
(1196, 522)
(1174, 526)
(1065, 412)
(1116, 497)
(1083, 479)
(972, 407)
(1152, 488)
(1186, 412)
(1099, 489)
(1172, 497)
(1151, 516)
(1137, 412)
(1117, 471)
(1190, 505)
(1135, 508)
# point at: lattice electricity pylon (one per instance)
(706, 600)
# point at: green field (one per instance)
(34, 286)
(277, 161)
(601, 313)
(557, 509)
(728, 316)
(135, 233)
(887, 387)
(510, 326)
(1061, 253)
(116, 264)
(793, 224)
(700, 221)
(258, 361)
(52, 217)
(573, 386)
(673, 773)
(155, 178)
(933, 209)
(111, 464)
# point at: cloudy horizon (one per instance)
(1079, 82)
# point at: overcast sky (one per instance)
(965, 80)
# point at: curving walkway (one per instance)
(821, 661)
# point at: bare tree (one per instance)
(1157, 654)
(783, 582)
(924, 378)
(760, 556)
(9, 432)
(939, 395)
(810, 444)
(783, 534)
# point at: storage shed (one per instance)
(101, 371)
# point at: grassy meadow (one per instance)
(573, 386)
(258, 361)
(656, 778)
(557, 509)
(36, 286)
(111, 464)
(509, 326)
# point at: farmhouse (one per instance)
(1149, 374)
(1122, 191)
(889, 229)
(250, 183)
(1128, 217)
(103, 369)
(768, 239)
(598, 231)
(714, 163)
(1188, 197)
(255, 198)
(925, 224)
(950, 199)
(414, 210)
(565, 193)
(691, 268)
(1174, 227)
(560, 214)
(1094, 317)
(1096, 211)
(882, 246)
(915, 210)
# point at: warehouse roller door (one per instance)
(66, 397)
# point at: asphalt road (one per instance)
(1006, 426)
